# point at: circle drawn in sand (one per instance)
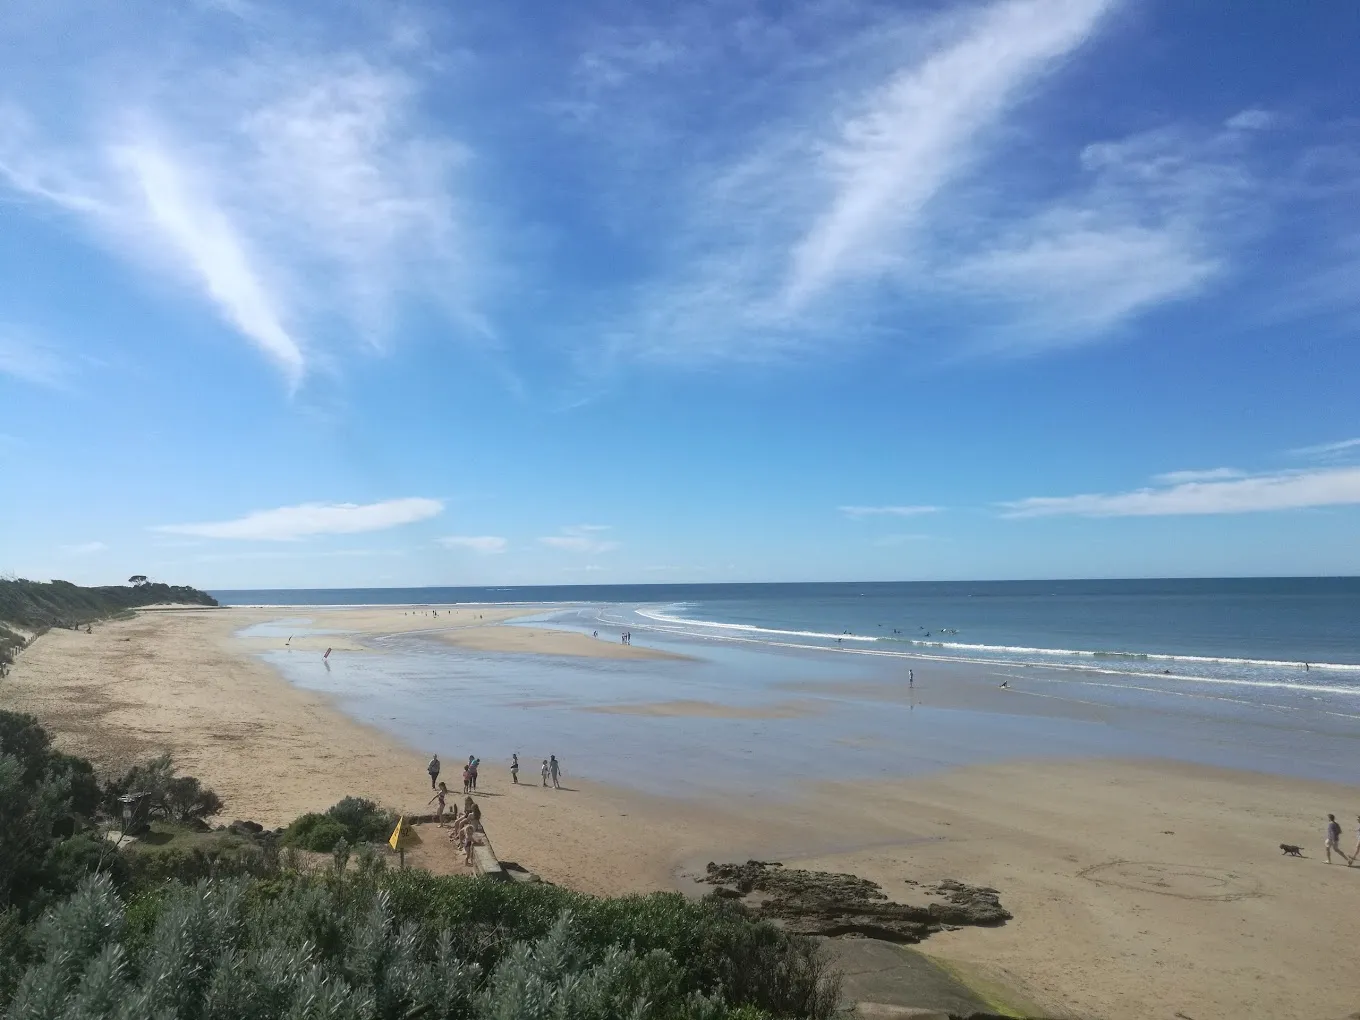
(1185, 881)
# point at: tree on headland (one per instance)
(137, 579)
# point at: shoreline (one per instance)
(1139, 886)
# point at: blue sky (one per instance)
(380, 294)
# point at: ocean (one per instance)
(1302, 632)
(1258, 673)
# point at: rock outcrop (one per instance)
(836, 905)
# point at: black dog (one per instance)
(1290, 850)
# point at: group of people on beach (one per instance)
(466, 826)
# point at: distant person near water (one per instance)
(514, 768)
(554, 767)
(1334, 841)
(911, 678)
(433, 769)
(543, 772)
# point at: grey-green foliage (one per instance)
(554, 979)
(224, 950)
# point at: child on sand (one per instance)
(440, 796)
(543, 772)
(514, 768)
(467, 778)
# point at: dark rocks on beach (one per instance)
(837, 905)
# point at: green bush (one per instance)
(174, 798)
(354, 820)
(363, 820)
(350, 947)
(44, 795)
(148, 867)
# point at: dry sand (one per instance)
(1140, 889)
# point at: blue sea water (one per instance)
(1201, 670)
(1261, 629)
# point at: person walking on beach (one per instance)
(543, 772)
(514, 768)
(554, 767)
(441, 795)
(1334, 840)
(911, 678)
(433, 769)
(475, 762)
(1355, 856)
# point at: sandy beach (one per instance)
(1139, 888)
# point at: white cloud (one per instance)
(580, 538)
(1207, 475)
(296, 190)
(1324, 450)
(1282, 491)
(1145, 230)
(83, 549)
(1250, 120)
(25, 358)
(484, 544)
(860, 512)
(198, 235)
(293, 522)
(912, 135)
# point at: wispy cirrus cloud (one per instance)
(581, 538)
(308, 519)
(24, 357)
(295, 190)
(881, 194)
(83, 549)
(860, 512)
(1205, 475)
(1340, 448)
(1291, 490)
(485, 544)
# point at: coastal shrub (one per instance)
(353, 819)
(147, 867)
(169, 796)
(45, 797)
(363, 820)
(345, 947)
(315, 832)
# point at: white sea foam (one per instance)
(1004, 649)
(995, 654)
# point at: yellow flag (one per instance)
(403, 836)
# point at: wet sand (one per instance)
(1140, 889)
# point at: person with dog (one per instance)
(1334, 841)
